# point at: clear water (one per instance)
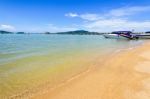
(29, 63)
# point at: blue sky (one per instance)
(66, 15)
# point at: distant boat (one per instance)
(120, 35)
(145, 35)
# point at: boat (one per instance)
(145, 35)
(120, 35)
(127, 35)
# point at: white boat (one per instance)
(114, 36)
(119, 35)
(145, 35)
(127, 35)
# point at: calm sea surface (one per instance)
(31, 63)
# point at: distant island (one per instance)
(5, 32)
(8, 32)
(80, 32)
(77, 32)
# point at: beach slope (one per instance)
(125, 75)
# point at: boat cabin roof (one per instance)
(121, 32)
(147, 32)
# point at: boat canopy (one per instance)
(121, 32)
(147, 32)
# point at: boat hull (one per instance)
(114, 36)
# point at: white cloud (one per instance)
(7, 27)
(116, 19)
(71, 15)
(87, 16)
(117, 24)
(124, 11)
(119, 12)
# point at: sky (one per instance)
(70, 15)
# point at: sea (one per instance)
(34, 63)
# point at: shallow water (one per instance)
(30, 63)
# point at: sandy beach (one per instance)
(125, 75)
(75, 49)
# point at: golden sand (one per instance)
(123, 76)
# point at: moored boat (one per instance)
(120, 35)
(145, 35)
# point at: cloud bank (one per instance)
(7, 27)
(110, 20)
(114, 19)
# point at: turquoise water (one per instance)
(30, 62)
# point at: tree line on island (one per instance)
(77, 32)
(8, 32)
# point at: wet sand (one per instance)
(125, 75)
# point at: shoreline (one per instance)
(120, 80)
